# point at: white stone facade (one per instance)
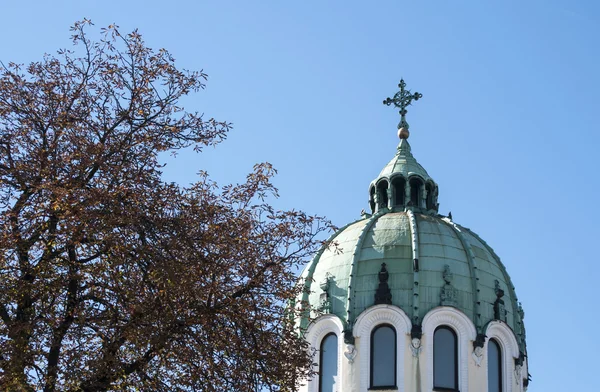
(414, 357)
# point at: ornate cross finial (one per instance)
(402, 99)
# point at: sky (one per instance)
(507, 125)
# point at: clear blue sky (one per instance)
(508, 123)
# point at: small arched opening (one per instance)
(430, 203)
(415, 191)
(398, 184)
(382, 188)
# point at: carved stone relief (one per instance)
(350, 353)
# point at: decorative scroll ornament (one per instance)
(499, 308)
(402, 99)
(449, 294)
(383, 295)
(324, 298)
(350, 353)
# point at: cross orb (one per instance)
(402, 99)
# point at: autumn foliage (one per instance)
(113, 279)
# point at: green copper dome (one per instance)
(404, 253)
(407, 255)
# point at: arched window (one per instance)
(494, 367)
(415, 191)
(398, 184)
(328, 364)
(383, 357)
(445, 359)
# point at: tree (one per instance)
(111, 278)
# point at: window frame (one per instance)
(455, 356)
(500, 360)
(509, 348)
(316, 331)
(337, 347)
(464, 328)
(365, 322)
(372, 347)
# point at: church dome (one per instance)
(413, 258)
(407, 276)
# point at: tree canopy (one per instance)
(112, 278)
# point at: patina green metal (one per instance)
(404, 164)
(414, 233)
(397, 239)
(429, 259)
(307, 276)
(402, 99)
(518, 316)
(351, 314)
(473, 271)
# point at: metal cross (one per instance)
(402, 99)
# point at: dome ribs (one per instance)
(474, 273)
(414, 233)
(350, 311)
(511, 291)
(309, 277)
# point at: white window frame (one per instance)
(366, 322)
(509, 348)
(465, 332)
(315, 333)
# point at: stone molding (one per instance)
(365, 323)
(509, 348)
(317, 330)
(466, 333)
